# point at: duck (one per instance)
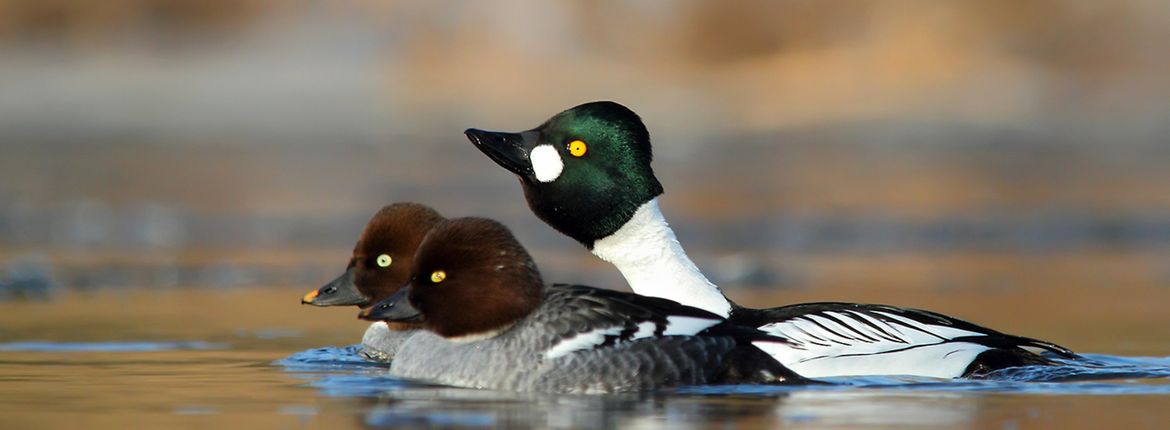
(586, 172)
(377, 268)
(489, 322)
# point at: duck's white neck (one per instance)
(648, 254)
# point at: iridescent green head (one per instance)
(585, 171)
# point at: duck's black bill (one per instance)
(338, 292)
(509, 150)
(397, 308)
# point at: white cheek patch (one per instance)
(546, 163)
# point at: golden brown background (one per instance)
(1006, 162)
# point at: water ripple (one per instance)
(341, 372)
(327, 359)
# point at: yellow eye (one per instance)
(438, 276)
(578, 148)
(384, 260)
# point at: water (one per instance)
(194, 151)
(252, 357)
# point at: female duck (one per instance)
(378, 267)
(491, 323)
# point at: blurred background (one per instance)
(842, 150)
(176, 174)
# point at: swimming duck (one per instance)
(490, 322)
(586, 172)
(379, 266)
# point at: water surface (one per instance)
(218, 358)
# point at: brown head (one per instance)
(381, 260)
(471, 278)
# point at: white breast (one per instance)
(649, 256)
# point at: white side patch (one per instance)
(581, 341)
(941, 360)
(822, 347)
(687, 326)
(546, 163)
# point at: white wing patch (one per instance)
(686, 326)
(645, 329)
(843, 343)
(675, 326)
(581, 341)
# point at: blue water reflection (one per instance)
(848, 402)
(339, 371)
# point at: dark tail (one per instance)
(1015, 351)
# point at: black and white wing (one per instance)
(843, 339)
(629, 341)
(592, 318)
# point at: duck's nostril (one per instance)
(329, 290)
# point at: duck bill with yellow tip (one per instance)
(396, 308)
(338, 292)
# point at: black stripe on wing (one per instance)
(590, 310)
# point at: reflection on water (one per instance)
(339, 371)
(468, 408)
(850, 402)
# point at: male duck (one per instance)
(586, 172)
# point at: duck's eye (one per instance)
(578, 148)
(384, 260)
(438, 276)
